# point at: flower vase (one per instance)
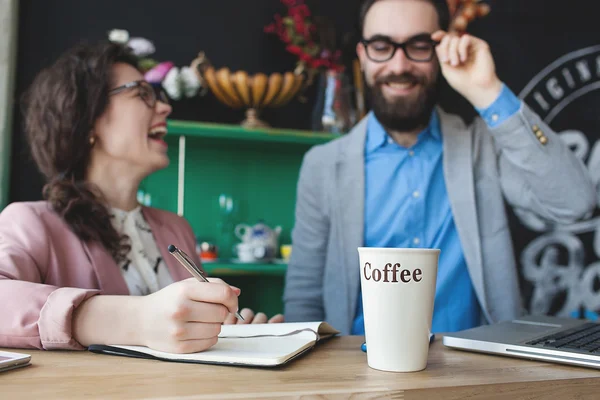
(333, 111)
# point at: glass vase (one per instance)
(333, 111)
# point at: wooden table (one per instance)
(335, 369)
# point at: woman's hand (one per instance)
(186, 316)
(251, 318)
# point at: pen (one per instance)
(185, 260)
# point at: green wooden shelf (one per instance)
(257, 169)
(235, 269)
(237, 132)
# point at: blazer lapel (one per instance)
(458, 174)
(110, 279)
(349, 204)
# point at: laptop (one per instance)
(553, 339)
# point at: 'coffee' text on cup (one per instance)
(405, 274)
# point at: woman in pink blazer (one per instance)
(89, 264)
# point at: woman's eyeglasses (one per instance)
(381, 49)
(149, 93)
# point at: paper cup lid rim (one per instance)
(395, 249)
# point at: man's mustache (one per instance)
(402, 78)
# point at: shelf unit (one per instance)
(236, 132)
(257, 169)
(241, 269)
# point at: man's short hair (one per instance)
(441, 6)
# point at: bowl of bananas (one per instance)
(252, 92)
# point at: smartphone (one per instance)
(10, 361)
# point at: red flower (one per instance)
(319, 62)
(306, 58)
(300, 36)
(294, 50)
(302, 10)
(299, 25)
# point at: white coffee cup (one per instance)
(245, 252)
(398, 290)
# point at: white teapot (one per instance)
(263, 240)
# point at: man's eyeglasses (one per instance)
(418, 48)
(149, 93)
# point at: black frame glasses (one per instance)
(149, 93)
(420, 48)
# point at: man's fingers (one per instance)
(277, 319)
(248, 315)
(438, 35)
(463, 47)
(442, 49)
(453, 51)
(260, 318)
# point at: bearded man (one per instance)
(410, 175)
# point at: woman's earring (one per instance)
(92, 140)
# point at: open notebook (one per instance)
(259, 345)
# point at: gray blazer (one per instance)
(482, 167)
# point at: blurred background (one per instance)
(236, 184)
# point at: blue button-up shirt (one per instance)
(406, 205)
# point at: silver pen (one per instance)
(187, 262)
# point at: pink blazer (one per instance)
(46, 271)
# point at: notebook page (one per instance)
(286, 328)
(249, 351)
(259, 344)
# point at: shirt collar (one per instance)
(120, 216)
(377, 136)
(434, 126)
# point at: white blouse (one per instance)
(144, 269)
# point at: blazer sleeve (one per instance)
(538, 172)
(32, 314)
(303, 294)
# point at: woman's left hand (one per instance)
(251, 318)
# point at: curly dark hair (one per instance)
(61, 107)
(441, 6)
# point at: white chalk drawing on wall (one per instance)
(554, 262)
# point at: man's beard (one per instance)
(406, 113)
